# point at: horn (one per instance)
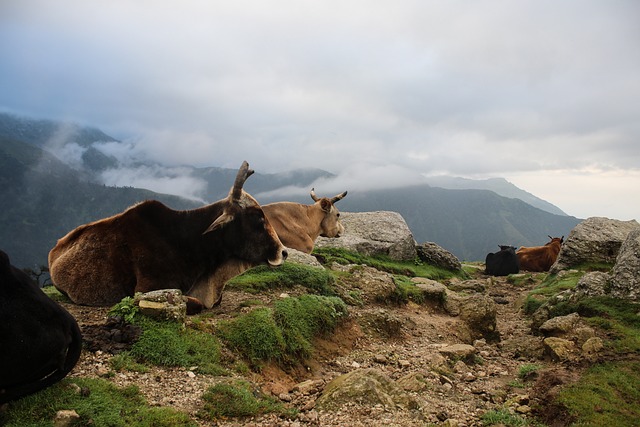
(551, 238)
(313, 195)
(243, 173)
(338, 197)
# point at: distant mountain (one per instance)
(468, 223)
(44, 197)
(498, 185)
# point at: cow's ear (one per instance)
(325, 204)
(220, 222)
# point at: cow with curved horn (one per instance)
(150, 246)
(298, 225)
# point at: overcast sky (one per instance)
(543, 93)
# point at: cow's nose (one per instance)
(285, 254)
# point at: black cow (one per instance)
(503, 262)
(40, 342)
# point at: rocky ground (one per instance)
(413, 354)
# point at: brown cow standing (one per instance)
(540, 258)
(298, 225)
(150, 246)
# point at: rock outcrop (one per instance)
(374, 233)
(594, 240)
(625, 276)
(433, 254)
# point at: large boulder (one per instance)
(433, 254)
(365, 387)
(374, 233)
(594, 240)
(625, 276)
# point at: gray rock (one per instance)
(592, 284)
(559, 349)
(625, 276)
(299, 257)
(458, 351)
(166, 304)
(560, 325)
(433, 254)
(594, 240)
(365, 387)
(374, 233)
(479, 313)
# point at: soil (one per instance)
(456, 394)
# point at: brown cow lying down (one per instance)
(540, 258)
(150, 247)
(298, 226)
(40, 342)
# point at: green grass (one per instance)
(551, 285)
(239, 399)
(607, 395)
(166, 343)
(262, 278)
(504, 418)
(285, 332)
(383, 263)
(100, 404)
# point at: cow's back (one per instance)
(293, 224)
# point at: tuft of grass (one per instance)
(98, 402)
(126, 362)
(283, 333)
(239, 399)
(384, 263)
(503, 418)
(166, 343)
(528, 371)
(261, 278)
(55, 294)
(607, 394)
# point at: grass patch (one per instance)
(262, 278)
(552, 285)
(100, 404)
(283, 333)
(55, 294)
(166, 343)
(239, 399)
(504, 418)
(618, 317)
(528, 371)
(606, 395)
(384, 263)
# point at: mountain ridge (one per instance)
(46, 198)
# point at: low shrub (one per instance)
(283, 333)
(239, 399)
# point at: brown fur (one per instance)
(540, 258)
(298, 226)
(150, 246)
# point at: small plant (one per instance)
(126, 310)
(528, 371)
(238, 399)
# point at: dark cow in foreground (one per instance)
(150, 247)
(540, 258)
(298, 225)
(503, 262)
(40, 342)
